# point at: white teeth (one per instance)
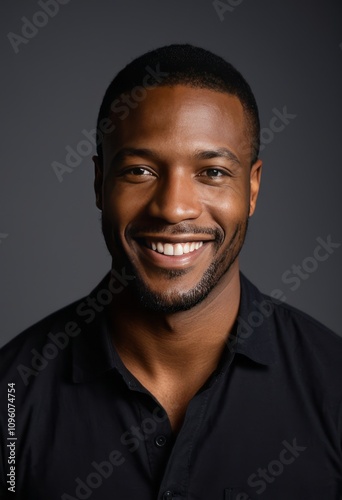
(186, 248)
(177, 248)
(168, 249)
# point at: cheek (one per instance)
(229, 216)
(228, 205)
(121, 207)
(115, 207)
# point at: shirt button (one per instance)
(160, 441)
(168, 495)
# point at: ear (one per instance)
(98, 181)
(255, 178)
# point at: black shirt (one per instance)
(266, 424)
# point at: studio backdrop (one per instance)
(58, 56)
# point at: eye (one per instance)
(138, 171)
(136, 174)
(213, 173)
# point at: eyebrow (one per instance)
(217, 153)
(206, 154)
(127, 152)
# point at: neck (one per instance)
(158, 344)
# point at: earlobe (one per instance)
(255, 178)
(98, 181)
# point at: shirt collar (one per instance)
(252, 335)
(94, 354)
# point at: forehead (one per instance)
(179, 118)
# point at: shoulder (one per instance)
(43, 340)
(49, 336)
(303, 328)
(287, 317)
(292, 331)
(301, 343)
(49, 339)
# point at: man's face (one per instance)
(176, 189)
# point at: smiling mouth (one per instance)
(171, 249)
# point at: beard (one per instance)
(177, 301)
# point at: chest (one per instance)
(174, 397)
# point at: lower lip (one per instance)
(173, 261)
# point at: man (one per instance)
(176, 378)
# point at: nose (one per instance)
(176, 198)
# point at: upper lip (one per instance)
(175, 238)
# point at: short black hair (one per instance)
(184, 64)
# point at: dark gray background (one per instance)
(291, 54)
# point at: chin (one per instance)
(176, 301)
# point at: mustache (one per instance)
(182, 228)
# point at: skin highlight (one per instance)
(175, 171)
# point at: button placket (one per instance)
(157, 439)
(168, 495)
(160, 441)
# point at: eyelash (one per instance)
(219, 170)
(216, 169)
(131, 171)
(134, 171)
